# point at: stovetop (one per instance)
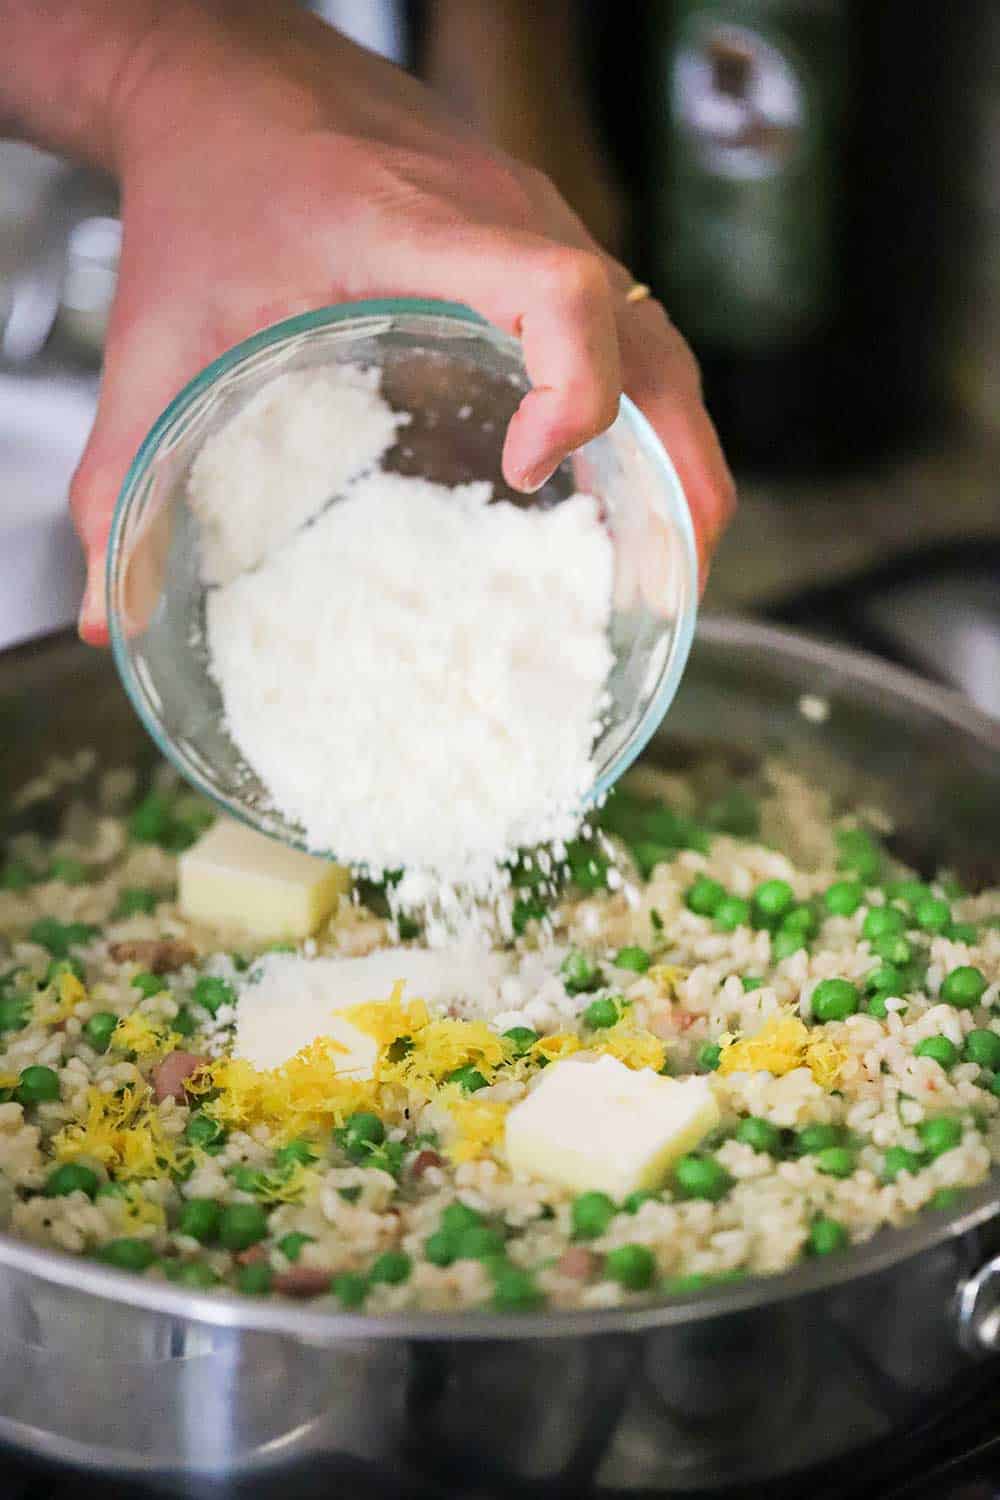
(955, 1456)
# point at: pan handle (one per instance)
(977, 1310)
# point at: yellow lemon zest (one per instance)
(306, 1096)
(388, 1020)
(479, 1126)
(633, 1046)
(784, 1042)
(124, 1133)
(140, 1211)
(142, 1035)
(439, 1048)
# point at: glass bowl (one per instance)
(461, 380)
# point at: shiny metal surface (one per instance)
(126, 1376)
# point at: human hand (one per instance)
(268, 166)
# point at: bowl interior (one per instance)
(460, 381)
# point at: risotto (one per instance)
(844, 1014)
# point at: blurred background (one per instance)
(812, 187)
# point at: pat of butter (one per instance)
(236, 877)
(600, 1126)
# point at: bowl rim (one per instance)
(670, 493)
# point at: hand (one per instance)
(268, 166)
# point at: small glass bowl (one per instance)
(461, 380)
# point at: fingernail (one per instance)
(533, 480)
(92, 608)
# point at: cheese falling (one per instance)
(235, 877)
(601, 1126)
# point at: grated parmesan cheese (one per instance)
(292, 448)
(417, 676)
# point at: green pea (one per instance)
(634, 958)
(255, 1280)
(704, 897)
(468, 1078)
(883, 921)
(392, 1267)
(128, 1254)
(826, 1237)
(439, 1248)
(192, 1273)
(135, 901)
(69, 871)
(877, 1007)
(701, 1177)
(99, 1029)
(59, 937)
(962, 932)
(983, 1047)
(963, 987)
(834, 1000)
(751, 982)
(760, 1134)
(478, 1243)
(709, 1056)
(590, 1215)
(801, 919)
(212, 993)
(600, 1014)
(60, 966)
(731, 913)
(858, 851)
(632, 1266)
(941, 1049)
(525, 910)
(843, 898)
(812, 1139)
(784, 944)
(248, 1179)
(149, 984)
(204, 1132)
(893, 948)
(771, 902)
(350, 1288)
(588, 867)
(835, 1161)
(71, 1177)
(15, 876)
(200, 1219)
(940, 1134)
(37, 1085)
(458, 1217)
(150, 819)
(932, 914)
(885, 980)
(897, 1159)
(521, 1038)
(297, 1152)
(944, 1200)
(184, 1022)
(634, 1201)
(579, 972)
(15, 1012)
(361, 1133)
(910, 891)
(242, 1225)
(291, 1244)
(514, 1290)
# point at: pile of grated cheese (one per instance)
(417, 676)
